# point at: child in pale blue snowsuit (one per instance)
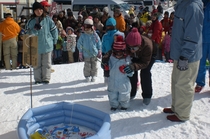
(119, 86)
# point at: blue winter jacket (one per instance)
(47, 35)
(107, 41)
(64, 46)
(89, 44)
(206, 24)
(187, 30)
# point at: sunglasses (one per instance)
(134, 48)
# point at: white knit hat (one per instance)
(106, 10)
(88, 22)
(118, 33)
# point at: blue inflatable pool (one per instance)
(62, 112)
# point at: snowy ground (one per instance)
(138, 122)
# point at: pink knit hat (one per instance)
(133, 38)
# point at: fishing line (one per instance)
(29, 37)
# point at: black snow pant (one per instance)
(145, 79)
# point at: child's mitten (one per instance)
(121, 68)
(99, 54)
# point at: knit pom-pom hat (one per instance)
(118, 33)
(133, 38)
(106, 9)
(111, 22)
(88, 21)
(119, 44)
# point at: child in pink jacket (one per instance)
(166, 44)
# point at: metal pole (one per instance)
(30, 73)
(28, 11)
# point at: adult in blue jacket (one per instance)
(42, 26)
(186, 50)
(200, 81)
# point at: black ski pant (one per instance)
(145, 79)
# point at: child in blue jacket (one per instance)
(89, 46)
(119, 85)
(42, 26)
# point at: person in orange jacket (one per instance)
(10, 30)
(119, 20)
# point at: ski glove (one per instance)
(128, 69)
(80, 56)
(99, 54)
(182, 64)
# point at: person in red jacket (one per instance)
(166, 22)
(156, 33)
(154, 9)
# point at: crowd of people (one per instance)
(142, 19)
(126, 45)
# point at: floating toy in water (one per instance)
(37, 135)
(65, 131)
(75, 129)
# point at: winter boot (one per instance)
(123, 109)
(93, 79)
(45, 82)
(38, 82)
(167, 110)
(146, 101)
(132, 97)
(174, 118)
(198, 88)
(87, 79)
(113, 109)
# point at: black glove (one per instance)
(128, 69)
(182, 64)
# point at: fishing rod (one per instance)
(97, 59)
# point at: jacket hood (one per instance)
(200, 4)
(9, 20)
(111, 22)
(72, 35)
